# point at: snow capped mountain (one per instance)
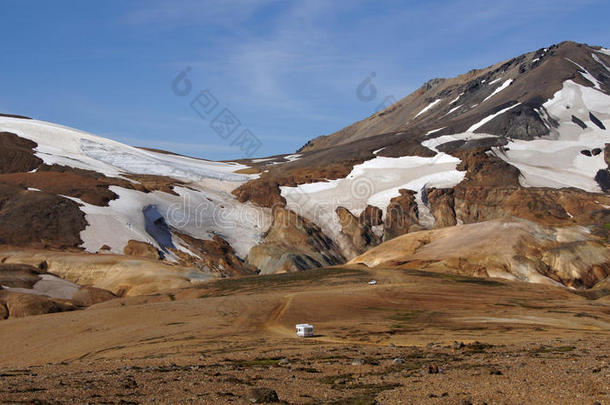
(203, 209)
(523, 141)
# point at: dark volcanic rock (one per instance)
(39, 219)
(15, 116)
(263, 396)
(17, 154)
(596, 121)
(603, 179)
(460, 146)
(521, 122)
(579, 122)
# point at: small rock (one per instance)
(495, 372)
(263, 395)
(130, 383)
(283, 362)
(357, 362)
(432, 369)
(398, 361)
(458, 345)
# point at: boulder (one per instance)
(263, 396)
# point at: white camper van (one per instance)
(304, 330)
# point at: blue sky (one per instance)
(288, 70)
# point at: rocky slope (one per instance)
(456, 104)
(513, 249)
(27, 290)
(522, 143)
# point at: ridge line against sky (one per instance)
(287, 69)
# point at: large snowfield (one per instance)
(556, 161)
(204, 207)
(374, 182)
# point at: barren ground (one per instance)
(523, 343)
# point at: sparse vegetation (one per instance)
(312, 277)
(454, 277)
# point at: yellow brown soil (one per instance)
(523, 343)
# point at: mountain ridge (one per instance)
(522, 144)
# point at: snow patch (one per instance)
(466, 136)
(499, 89)
(69, 147)
(598, 60)
(49, 286)
(453, 109)
(489, 118)
(556, 161)
(432, 104)
(434, 131)
(373, 182)
(585, 73)
(292, 158)
(604, 51)
(457, 98)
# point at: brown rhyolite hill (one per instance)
(35, 213)
(537, 76)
